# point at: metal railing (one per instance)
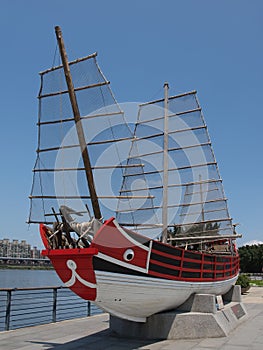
(23, 307)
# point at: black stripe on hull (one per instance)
(178, 252)
(107, 266)
(163, 270)
(166, 249)
(165, 260)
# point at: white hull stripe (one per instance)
(122, 263)
(133, 241)
(72, 266)
(149, 256)
(116, 278)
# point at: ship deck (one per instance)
(93, 333)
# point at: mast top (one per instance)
(79, 128)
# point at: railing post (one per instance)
(8, 310)
(89, 311)
(54, 312)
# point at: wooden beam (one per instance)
(216, 237)
(80, 132)
(165, 166)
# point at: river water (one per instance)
(12, 278)
(35, 307)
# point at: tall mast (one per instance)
(202, 198)
(80, 132)
(165, 165)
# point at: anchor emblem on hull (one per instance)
(72, 266)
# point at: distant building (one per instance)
(16, 249)
(35, 253)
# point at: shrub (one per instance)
(243, 281)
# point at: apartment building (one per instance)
(16, 249)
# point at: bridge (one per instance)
(9, 260)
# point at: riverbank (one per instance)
(24, 267)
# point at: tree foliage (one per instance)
(197, 230)
(251, 258)
(208, 228)
(243, 281)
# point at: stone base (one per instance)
(201, 320)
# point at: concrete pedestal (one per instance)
(198, 317)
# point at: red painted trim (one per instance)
(42, 230)
(70, 252)
(158, 252)
(184, 279)
(160, 263)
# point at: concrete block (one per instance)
(199, 303)
(233, 295)
(187, 305)
(204, 303)
(182, 325)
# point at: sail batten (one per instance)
(175, 205)
(172, 149)
(59, 121)
(75, 89)
(171, 185)
(170, 132)
(94, 167)
(88, 197)
(193, 92)
(177, 225)
(171, 115)
(173, 169)
(93, 55)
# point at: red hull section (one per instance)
(117, 250)
(74, 267)
(162, 260)
(114, 242)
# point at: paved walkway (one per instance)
(92, 333)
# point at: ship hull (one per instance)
(137, 298)
(132, 277)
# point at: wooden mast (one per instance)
(79, 128)
(165, 165)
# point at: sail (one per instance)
(196, 203)
(59, 173)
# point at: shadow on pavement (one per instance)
(104, 340)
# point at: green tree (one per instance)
(251, 258)
(196, 230)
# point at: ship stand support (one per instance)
(201, 316)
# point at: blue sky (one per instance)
(213, 46)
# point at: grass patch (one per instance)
(256, 282)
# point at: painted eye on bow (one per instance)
(128, 255)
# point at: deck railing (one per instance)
(23, 307)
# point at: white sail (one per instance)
(59, 172)
(196, 202)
